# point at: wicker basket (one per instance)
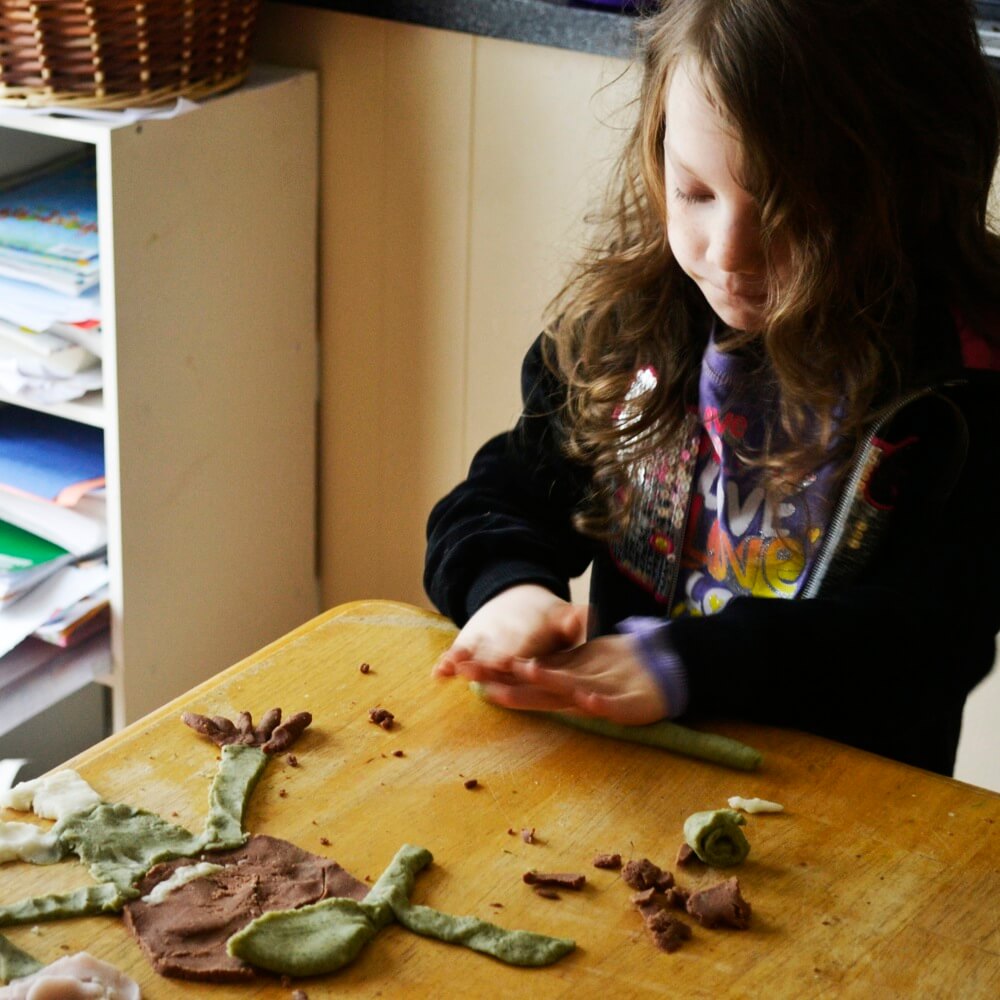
(109, 53)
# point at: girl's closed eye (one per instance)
(691, 197)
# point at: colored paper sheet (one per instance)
(48, 457)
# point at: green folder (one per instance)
(21, 550)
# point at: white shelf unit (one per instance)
(208, 284)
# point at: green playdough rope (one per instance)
(662, 735)
(715, 836)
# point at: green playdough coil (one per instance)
(715, 836)
(664, 736)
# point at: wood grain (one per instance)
(879, 880)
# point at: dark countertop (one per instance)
(566, 24)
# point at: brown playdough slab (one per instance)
(185, 935)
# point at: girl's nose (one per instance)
(734, 243)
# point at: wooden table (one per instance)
(879, 880)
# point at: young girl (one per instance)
(763, 412)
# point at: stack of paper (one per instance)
(48, 466)
(50, 310)
(48, 225)
(26, 560)
(20, 619)
(53, 565)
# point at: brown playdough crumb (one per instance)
(555, 880)
(677, 897)
(646, 875)
(668, 933)
(398, 753)
(612, 861)
(365, 668)
(686, 856)
(471, 783)
(720, 905)
(293, 761)
(545, 893)
(381, 717)
(185, 936)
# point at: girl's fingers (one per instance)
(447, 665)
(485, 673)
(526, 697)
(553, 679)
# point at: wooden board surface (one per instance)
(879, 880)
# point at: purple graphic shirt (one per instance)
(738, 542)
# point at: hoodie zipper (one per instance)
(838, 522)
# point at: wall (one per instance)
(454, 170)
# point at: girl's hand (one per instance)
(525, 621)
(603, 677)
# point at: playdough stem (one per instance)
(664, 736)
(396, 883)
(239, 770)
(514, 947)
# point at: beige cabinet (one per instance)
(207, 235)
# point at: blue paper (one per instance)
(42, 455)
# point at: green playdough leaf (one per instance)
(15, 963)
(715, 836)
(664, 736)
(310, 941)
(120, 843)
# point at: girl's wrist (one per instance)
(656, 652)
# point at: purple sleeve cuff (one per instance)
(656, 650)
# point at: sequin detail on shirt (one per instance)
(649, 551)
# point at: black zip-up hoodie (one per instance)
(896, 624)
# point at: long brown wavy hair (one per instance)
(870, 136)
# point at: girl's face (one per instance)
(713, 224)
